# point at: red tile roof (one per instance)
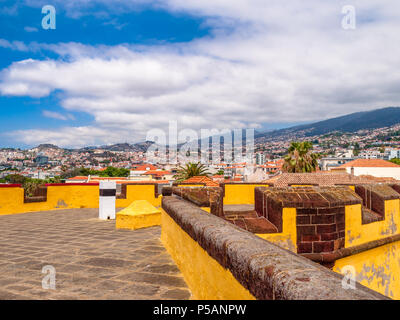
(145, 167)
(157, 172)
(368, 163)
(322, 178)
(202, 179)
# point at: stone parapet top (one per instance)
(265, 269)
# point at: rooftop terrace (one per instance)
(93, 260)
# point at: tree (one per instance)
(300, 158)
(220, 172)
(395, 160)
(191, 170)
(15, 178)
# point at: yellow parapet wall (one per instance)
(206, 278)
(58, 197)
(240, 193)
(358, 233)
(377, 268)
(139, 192)
(71, 196)
(140, 214)
(286, 239)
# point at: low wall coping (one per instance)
(265, 269)
(11, 185)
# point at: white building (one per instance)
(373, 167)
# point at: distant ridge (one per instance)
(374, 119)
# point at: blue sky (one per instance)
(145, 26)
(114, 71)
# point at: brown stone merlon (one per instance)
(176, 184)
(166, 191)
(203, 197)
(40, 195)
(320, 214)
(374, 196)
(331, 257)
(395, 186)
(265, 269)
(124, 186)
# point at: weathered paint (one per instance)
(377, 269)
(70, 197)
(139, 192)
(58, 197)
(358, 233)
(139, 214)
(240, 193)
(287, 238)
(205, 277)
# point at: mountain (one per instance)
(47, 146)
(374, 119)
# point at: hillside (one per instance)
(378, 118)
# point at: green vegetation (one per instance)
(395, 160)
(300, 158)
(29, 184)
(109, 172)
(191, 170)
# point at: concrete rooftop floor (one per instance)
(92, 259)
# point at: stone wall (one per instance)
(203, 197)
(264, 269)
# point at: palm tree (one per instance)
(300, 158)
(191, 170)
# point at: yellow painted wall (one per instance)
(240, 193)
(205, 277)
(139, 214)
(357, 233)
(139, 192)
(58, 197)
(287, 239)
(70, 197)
(377, 269)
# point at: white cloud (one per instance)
(68, 136)
(265, 62)
(57, 115)
(31, 29)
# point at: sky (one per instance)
(111, 71)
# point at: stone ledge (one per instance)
(266, 270)
(331, 257)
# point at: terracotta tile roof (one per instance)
(202, 179)
(369, 163)
(157, 172)
(321, 178)
(380, 179)
(145, 167)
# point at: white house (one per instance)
(373, 167)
